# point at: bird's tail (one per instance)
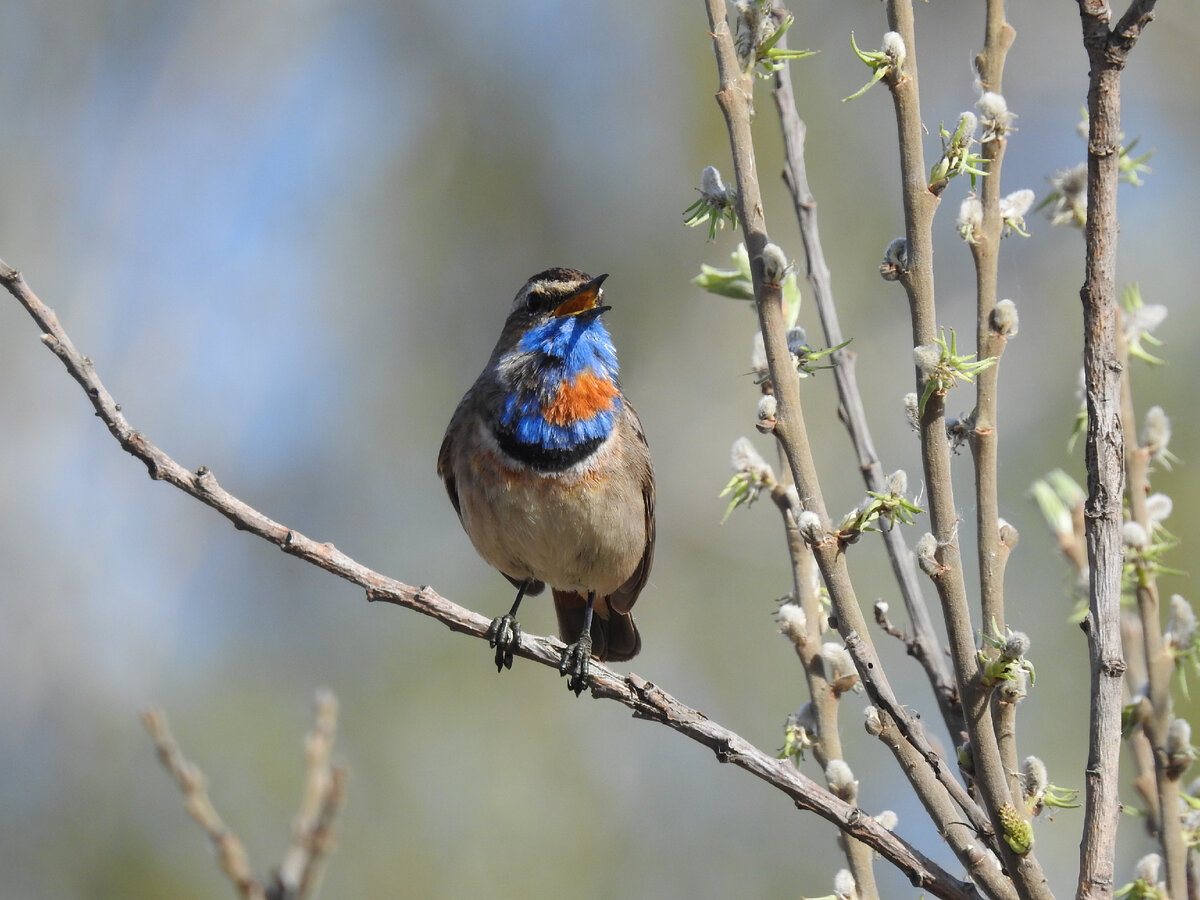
(614, 635)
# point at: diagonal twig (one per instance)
(645, 699)
(231, 853)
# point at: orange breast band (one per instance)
(584, 398)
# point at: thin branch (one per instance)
(324, 793)
(825, 698)
(645, 699)
(985, 249)
(231, 853)
(734, 98)
(924, 645)
(962, 838)
(1158, 662)
(920, 204)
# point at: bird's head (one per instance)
(556, 315)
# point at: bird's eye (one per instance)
(537, 299)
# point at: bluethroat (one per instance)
(547, 466)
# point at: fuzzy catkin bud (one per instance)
(874, 723)
(926, 357)
(1180, 752)
(1158, 508)
(1004, 318)
(809, 524)
(912, 410)
(1016, 645)
(897, 483)
(1156, 431)
(888, 819)
(967, 123)
(844, 885)
(775, 264)
(1035, 776)
(970, 219)
(1134, 536)
(1014, 688)
(895, 259)
(1181, 627)
(793, 623)
(893, 47)
(997, 120)
(767, 407)
(758, 356)
(1009, 535)
(744, 458)
(712, 188)
(1147, 869)
(837, 662)
(926, 549)
(841, 780)
(1014, 206)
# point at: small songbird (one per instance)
(547, 466)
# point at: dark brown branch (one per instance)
(645, 699)
(1107, 52)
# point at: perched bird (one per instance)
(547, 466)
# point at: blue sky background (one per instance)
(287, 234)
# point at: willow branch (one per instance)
(646, 700)
(990, 342)
(1158, 662)
(920, 204)
(1107, 52)
(824, 695)
(734, 98)
(961, 837)
(924, 644)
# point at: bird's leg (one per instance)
(576, 657)
(505, 632)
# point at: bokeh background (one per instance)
(288, 233)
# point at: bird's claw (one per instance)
(505, 635)
(576, 660)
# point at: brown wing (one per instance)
(637, 451)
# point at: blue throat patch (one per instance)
(559, 351)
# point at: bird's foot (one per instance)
(505, 635)
(576, 660)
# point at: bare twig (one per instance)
(324, 793)
(645, 699)
(1107, 52)
(231, 853)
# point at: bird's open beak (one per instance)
(584, 299)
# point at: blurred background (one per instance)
(288, 233)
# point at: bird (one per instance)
(546, 464)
